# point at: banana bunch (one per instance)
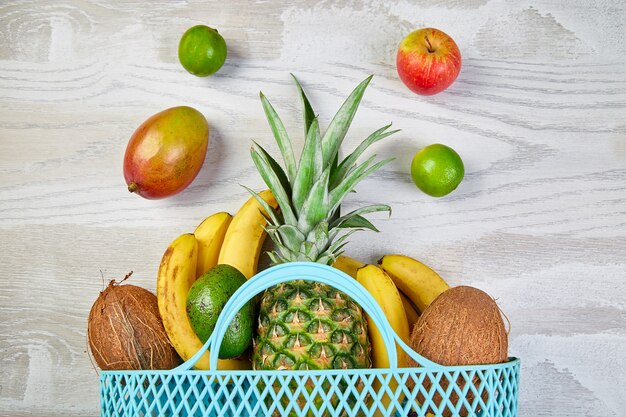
(384, 291)
(403, 287)
(418, 282)
(219, 239)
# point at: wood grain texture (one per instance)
(537, 114)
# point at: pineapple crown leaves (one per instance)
(310, 192)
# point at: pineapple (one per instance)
(308, 325)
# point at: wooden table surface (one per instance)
(538, 114)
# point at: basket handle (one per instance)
(308, 271)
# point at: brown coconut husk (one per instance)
(125, 331)
(463, 326)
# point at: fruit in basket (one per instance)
(125, 330)
(176, 275)
(463, 326)
(307, 325)
(202, 50)
(428, 61)
(166, 152)
(437, 170)
(417, 281)
(206, 300)
(245, 235)
(348, 265)
(384, 291)
(210, 234)
(412, 314)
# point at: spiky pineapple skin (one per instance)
(306, 325)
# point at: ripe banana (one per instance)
(417, 281)
(348, 265)
(412, 314)
(384, 291)
(387, 295)
(210, 235)
(245, 235)
(177, 273)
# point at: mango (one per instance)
(166, 152)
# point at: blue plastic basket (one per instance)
(483, 390)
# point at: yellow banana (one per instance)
(411, 311)
(245, 235)
(348, 265)
(417, 281)
(384, 291)
(210, 235)
(177, 273)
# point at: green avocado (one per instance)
(205, 301)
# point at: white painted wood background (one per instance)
(538, 114)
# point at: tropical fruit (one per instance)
(412, 314)
(308, 325)
(166, 152)
(206, 300)
(125, 331)
(417, 281)
(245, 235)
(176, 275)
(319, 342)
(210, 234)
(384, 291)
(463, 326)
(348, 265)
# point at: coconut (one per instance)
(463, 326)
(125, 330)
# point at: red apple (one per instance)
(428, 61)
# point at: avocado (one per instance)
(205, 301)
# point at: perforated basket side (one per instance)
(477, 391)
(485, 390)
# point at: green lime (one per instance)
(202, 51)
(205, 301)
(437, 170)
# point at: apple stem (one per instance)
(430, 47)
(132, 187)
